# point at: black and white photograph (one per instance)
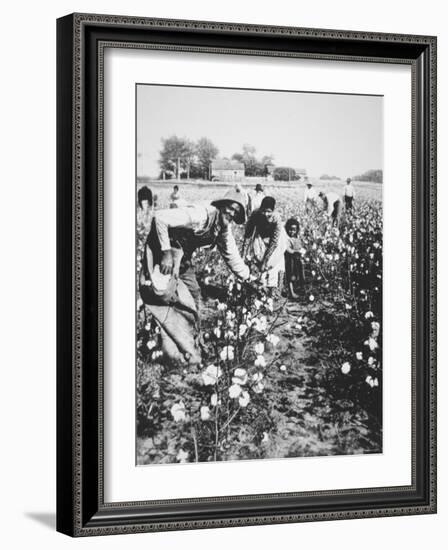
(259, 274)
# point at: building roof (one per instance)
(221, 164)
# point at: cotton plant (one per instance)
(236, 364)
(342, 265)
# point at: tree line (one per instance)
(181, 157)
(375, 176)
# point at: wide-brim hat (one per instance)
(233, 196)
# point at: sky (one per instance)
(335, 134)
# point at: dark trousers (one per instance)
(188, 277)
(336, 214)
(186, 270)
(348, 203)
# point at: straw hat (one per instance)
(233, 196)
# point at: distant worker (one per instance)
(145, 203)
(256, 198)
(310, 196)
(349, 195)
(174, 197)
(332, 205)
(244, 197)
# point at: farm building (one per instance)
(301, 173)
(227, 170)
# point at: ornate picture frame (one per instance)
(81, 43)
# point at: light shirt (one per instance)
(197, 218)
(349, 190)
(256, 200)
(310, 194)
(294, 245)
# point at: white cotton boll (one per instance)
(257, 377)
(210, 375)
(244, 399)
(273, 339)
(259, 348)
(178, 412)
(346, 367)
(227, 353)
(151, 344)
(234, 391)
(205, 413)
(182, 456)
(239, 376)
(214, 400)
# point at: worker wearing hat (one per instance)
(349, 194)
(176, 233)
(256, 198)
(310, 196)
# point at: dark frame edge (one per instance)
(72, 499)
(65, 496)
(425, 271)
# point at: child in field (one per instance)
(295, 279)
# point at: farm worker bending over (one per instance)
(265, 241)
(332, 205)
(168, 284)
(349, 194)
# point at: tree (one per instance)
(206, 152)
(176, 155)
(375, 176)
(327, 177)
(252, 165)
(250, 161)
(284, 173)
(189, 156)
(266, 162)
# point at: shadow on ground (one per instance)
(47, 519)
